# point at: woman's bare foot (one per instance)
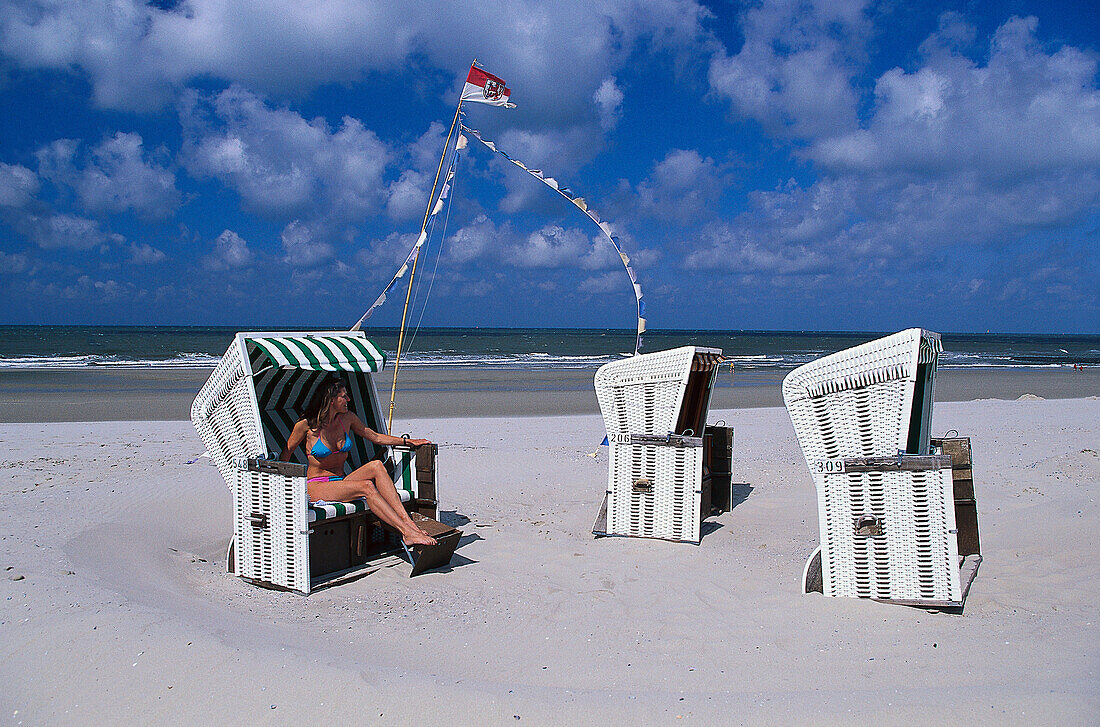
(415, 536)
(413, 524)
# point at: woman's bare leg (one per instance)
(348, 489)
(376, 471)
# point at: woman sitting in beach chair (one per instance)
(326, 430)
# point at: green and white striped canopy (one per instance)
(316, 353)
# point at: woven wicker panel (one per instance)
(278, 553)
(223, 415)
(892, 357)
(872, 421)
(671, 510)
(915, 557)
(858, 402)
(643, 394)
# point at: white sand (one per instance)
(124, 614)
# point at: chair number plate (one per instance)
(828, 466)
(618, 438)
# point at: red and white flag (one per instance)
(482, 87)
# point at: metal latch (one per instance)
(258, 520)
(868, 525)
(643, 484)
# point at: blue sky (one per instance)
(837, 165)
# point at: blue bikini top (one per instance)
(321, 450)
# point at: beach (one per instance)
(115, 607)
(149, 394)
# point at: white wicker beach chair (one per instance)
(885, 501)
(664, 475)
(244, 413)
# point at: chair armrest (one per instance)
(274, 467)
(900, 462)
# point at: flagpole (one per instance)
(416, 257)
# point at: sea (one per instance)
(200, 347)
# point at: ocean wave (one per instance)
(448, 357)
(530, 361)
(182, 361)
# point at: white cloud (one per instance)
(793, 73)
(734, 249)
(36, 221)
(1024, 112)
(556, 247)
(610, 282)
(230, 252)
(18, 186)
(956, 158)
(301, 247)
(136, 54)
(482, 244)
(116, 176)
(282, 165)
(558, 154)
(142, 254)
(87, 290)
(479, 240)
(119, 178)
(609, 103)
(380, 258)
(109, 289)
(684, 186)
(13, 263)
(408, 195)
(67, 231)
(107, 39)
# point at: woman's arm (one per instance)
(297, 436)
(385, 440)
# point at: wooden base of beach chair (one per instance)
(429, 557)
(717, 471)
(350, 547)
(341, 544)
(599, 526)
(811, 574)
(966, 506)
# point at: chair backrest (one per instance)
(261, 386)
(658, 393)
(871, 400)
(282, 396)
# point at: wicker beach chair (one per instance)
(667, 469)
(244, 413)
(886, 505)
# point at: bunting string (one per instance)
(582, 205)
(446, 190)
